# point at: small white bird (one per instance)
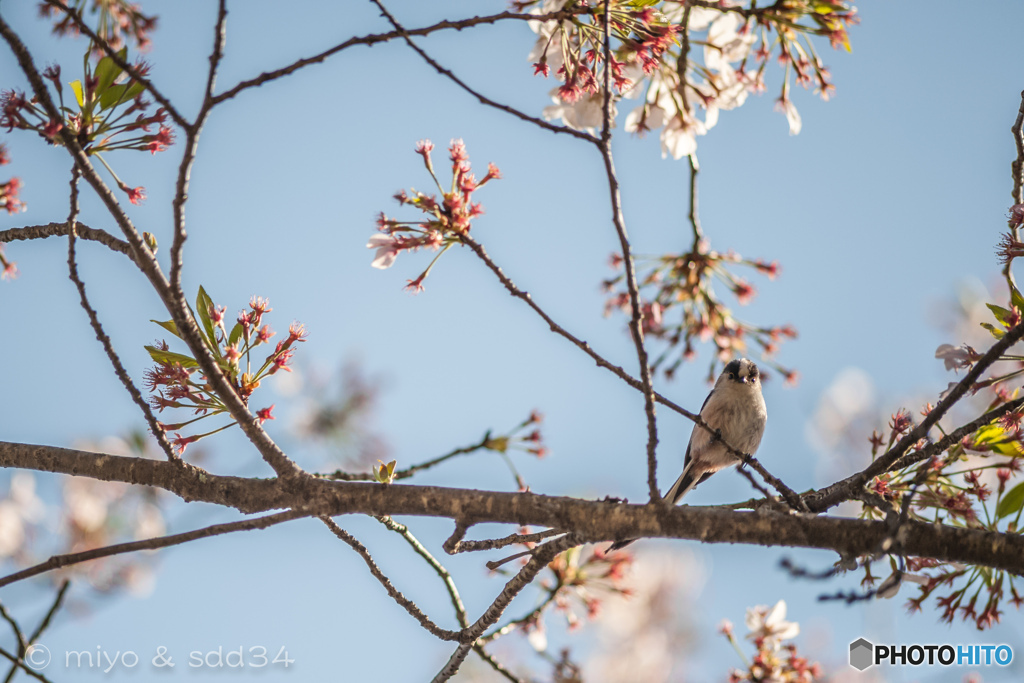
(735, 409)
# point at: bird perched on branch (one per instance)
(736, 414)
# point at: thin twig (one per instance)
(526, 575)
(125, 66)
(189, 155)
(405, 602)
(373, 39)
(339, 475)
(698, 231)
(59, 561)
(43, 625)
(792, 498)
(480, 97)
(495, 564)
(822, 500)
(21, 665)
(753, 482)
(636, 314)
(956, 435)
(101, 335)
(446, 577)
(513, 624)
(496, 665)
(35, 232)
(616, 370)
(57, 601)
(19, 637)
(150, 267)
(493, 544)
(681, 67)
(1017, 167)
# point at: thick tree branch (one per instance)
(592, 521)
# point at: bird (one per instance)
(736, 413)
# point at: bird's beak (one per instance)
(744, 379)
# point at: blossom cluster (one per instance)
(680, 307)
(577, 579)
(445, 220)
(969, 486)
(10, 203)
(525, 437)
(117, 20)
(772, 660)
(108, 113)
(177, 382)
(653, 59)
(974, 484)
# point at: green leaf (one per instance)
(161, 356)
(134, 90)
(1011, 502)
(1010, 447)
(203, 305)
(1015, 297)
(989, 433)
(169, 326)
(1001, 314)
(236, 334)
(996, 332)
(114, 95)
(107, 72)
(76, 87)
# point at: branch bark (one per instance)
(592, 521)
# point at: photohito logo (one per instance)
(864, 654)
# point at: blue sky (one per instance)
(892, 196)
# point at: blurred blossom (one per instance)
(86, 502)
(149, 521)
(770, 626)
(19, 509)
(649, 635)
(845, 409)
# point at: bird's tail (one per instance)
(686, 481)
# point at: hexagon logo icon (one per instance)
(861, 654)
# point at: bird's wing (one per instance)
(689, 444)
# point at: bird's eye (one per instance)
(732, 375)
